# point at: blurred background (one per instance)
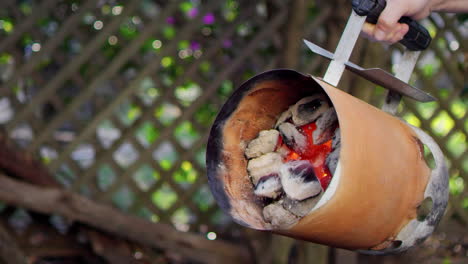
(116, 99)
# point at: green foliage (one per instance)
(206, 114)
(147, 134)
(230, 10)
(181, 218)
(187, 93)
(442, 124)
(164, 197)
(128, 113)
(186, 174)
(6, 25)
(166, 113)
(456, 185)
(169, 32)
(457, 143)
(186, 134)
(5, 58)
(145, 177)
(166, 155)
(412, 119)
(128, 30)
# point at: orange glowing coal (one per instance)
(315, 154)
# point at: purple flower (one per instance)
(195, 45)
(192, 12)
(209, 19)
(170, 20)
(227, 43)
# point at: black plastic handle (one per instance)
(417, 38)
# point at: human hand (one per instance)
(387, 29)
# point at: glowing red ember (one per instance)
(315, 154)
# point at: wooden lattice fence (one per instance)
(117, 97)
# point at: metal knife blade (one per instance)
(380, 76)
(345, 47)
(403, 72)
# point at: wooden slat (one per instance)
(235, 64)
(26, 25)
(73, 66)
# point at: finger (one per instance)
(368, 31)
(388, 20)
(400, 33)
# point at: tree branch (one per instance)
(79, 208)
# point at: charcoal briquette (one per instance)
(299, 180)
(264, 143)
(308, 109)
(326, 125)
(267, 164)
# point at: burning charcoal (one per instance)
(333, 157)
(308, 109)
(336, 141)
(264, 143)
(279, 217)
(269, 186)
(264, 165)
(284, 117)
(299, 180)
(326, 125)
(332, 160)
(292, 137)
(300, 208)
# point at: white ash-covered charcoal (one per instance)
(300, 208)
(326, 124)
(264, 165)
(285, 116)
(279, 217)
(292, 137)
(308, 109)
(334, 156)
(264, 143)
(336, 140)
(269, 186)
(299, 180)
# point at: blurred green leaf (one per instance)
(457, 143)
(169, 32)
(186, 134)
(164, 197)
(187, 93)
(147, 134)
(442, 124)
(186, 174)
(166, 113)
(6, 24)
(456, 185)
(412, 119)
(128, 30)
(182, 216)
(145, 177)
(206, 114)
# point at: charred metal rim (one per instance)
(215, 139)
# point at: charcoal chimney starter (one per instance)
(380, 180)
